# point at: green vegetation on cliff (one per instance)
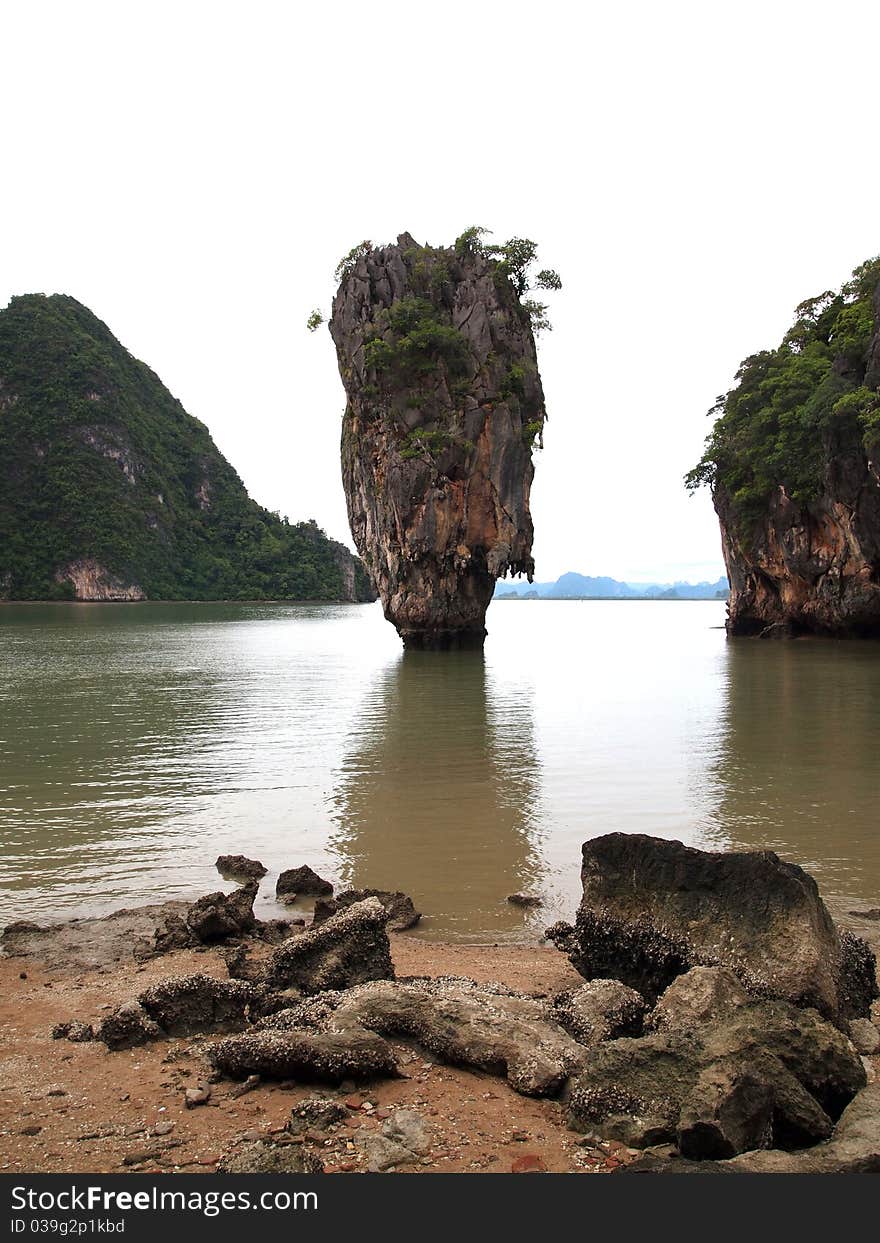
(100, 464)
(418, 363)
(791, 404)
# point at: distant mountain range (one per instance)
(573, 586)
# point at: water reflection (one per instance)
(138, 742)
(440, 785)
(797, 761)
(90, 721)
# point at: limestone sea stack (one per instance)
(444, 403)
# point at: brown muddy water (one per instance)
(138, 742)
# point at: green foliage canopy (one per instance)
(416, 336)
(513, 261)
(773, 427)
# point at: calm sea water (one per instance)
(138, 742)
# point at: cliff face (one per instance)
(809, 567)
(438, 361)
(109, 490)
(794, 466)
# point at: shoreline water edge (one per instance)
(196, 1037)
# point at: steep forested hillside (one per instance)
(110, 490)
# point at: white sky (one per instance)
(193, 172)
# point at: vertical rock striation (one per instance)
(444, 402)
(809, 567)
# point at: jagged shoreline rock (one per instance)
(444, 399)
(346, 949)
(654, 908)
(301, 882)
(240, 867)
(765, 1075)
(399, 907)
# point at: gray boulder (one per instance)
(600, 1010)
(302, 882)
(652, 909)
(217, 916)
(763, 1075)
(402, 1140)
(399, 907)
(348, 948)
(697, 997)
(854, 1148)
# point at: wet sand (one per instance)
(67, 1107)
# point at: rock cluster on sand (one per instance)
(488, 1027)
(756, 1076)
(347, 949)
(722, 1014)
(753, 988)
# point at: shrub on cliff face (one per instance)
(411, 337)
(775, 426)
(513, 261)
(413, 342)
(348, 262)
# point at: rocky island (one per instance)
(436, 352)
(110, 490)
(793, 462)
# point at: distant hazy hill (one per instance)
(573, 586)
(110, 490)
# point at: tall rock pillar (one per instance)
(444, 404)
